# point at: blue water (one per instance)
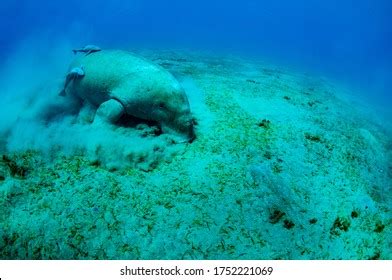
(348, 39)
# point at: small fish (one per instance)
(87, 49)
(75, 73)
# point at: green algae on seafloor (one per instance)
(304, 185)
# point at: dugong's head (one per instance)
(168, 104)
(171, 109)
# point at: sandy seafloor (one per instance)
(284, 166)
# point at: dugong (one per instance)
(75, 73)
(118, 82)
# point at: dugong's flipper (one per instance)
(109, 112)
(75, 73)
(62, 92)
(67, 81)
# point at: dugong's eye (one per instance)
(162, 105)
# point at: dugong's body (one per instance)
(118, 83)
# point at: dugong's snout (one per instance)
(187, 130)
(190, 132)
(191, 135)
(183, 127)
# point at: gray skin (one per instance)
(73, 74)
(119, 83)
(87, 49)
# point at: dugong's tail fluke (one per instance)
(75, 51)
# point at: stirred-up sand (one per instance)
(284, 166)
